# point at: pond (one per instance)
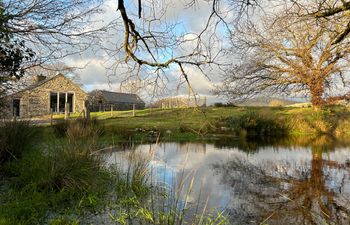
(299, 181)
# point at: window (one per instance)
(60, 100)
(53, 102)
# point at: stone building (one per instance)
(108, 100)
(47, 95)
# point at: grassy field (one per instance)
(209, 122)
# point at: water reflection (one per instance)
(286, 192)
(290, 181)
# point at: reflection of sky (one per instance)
(172, 163)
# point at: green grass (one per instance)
(186, 124)
(211, 122)
(175, 120)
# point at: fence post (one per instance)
(66, 111)
(87, 110)
(51, 116)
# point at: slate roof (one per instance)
(118, 97)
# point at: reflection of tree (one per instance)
(256, 143)
(249, 144)
(286, 193)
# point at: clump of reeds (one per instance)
(59, 168)
(134, 181)
(15, 138)
(72, 164)
(82, 135)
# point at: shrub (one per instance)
(184, 128)
(122, 133)
(255, 123)
(15, 138)
(220, 104)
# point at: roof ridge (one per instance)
(112, 96)
(118, 92)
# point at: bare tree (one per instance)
(286, 53)
(40, 32)
(332, 10)
(154, 46)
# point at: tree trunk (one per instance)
(317, 91)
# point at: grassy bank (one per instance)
(213, 122)
(63, 179)
(52, 181)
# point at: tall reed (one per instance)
(161, 204)
(15, 138)
(71, 163)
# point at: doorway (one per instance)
(16, 107)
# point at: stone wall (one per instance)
(6, 110)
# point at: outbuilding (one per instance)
(101, 100)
